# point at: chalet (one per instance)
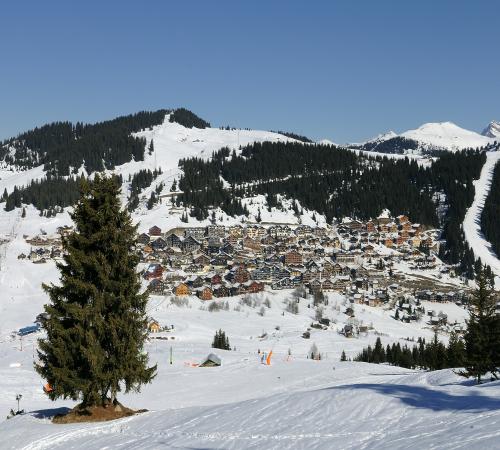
(157, 286)
(384, 218)
(181, 290)
(253, 287)
(215, 279)
(240, 275)
(220, 260)
(190, 244)
(204, 293)
(293, 258)
(158, 244)
(201, 259)
(173, 240)
(220, 290)
(155, 231)
(154, 326)
(153, 271)
(195, 282)
(340, 283)
(143, 239)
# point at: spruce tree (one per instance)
(96, 324)
(482, 337)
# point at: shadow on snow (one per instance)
(421, 397)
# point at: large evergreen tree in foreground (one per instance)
(96, 324)
(482, 338)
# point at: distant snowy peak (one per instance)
(384, 137)
(327, 142)
(446, 135)
(492, 130)
(427, 139)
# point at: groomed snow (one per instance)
(472, 223)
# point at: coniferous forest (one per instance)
(490, 217)
(63, 147)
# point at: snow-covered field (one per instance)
(472, 223)
(295, 402)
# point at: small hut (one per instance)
(211, 360)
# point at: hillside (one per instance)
(325, 202)
(430, 139)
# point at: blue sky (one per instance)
(344, 70)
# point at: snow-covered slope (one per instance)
(295, 402)
(492, 130)
(446, 135)
(426, 138)
(472, 223)
(297, 405)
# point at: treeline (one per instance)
(431, 356)
(296, 136)
(188, 119)
(490, 217)
(62, 147)
(337, 183)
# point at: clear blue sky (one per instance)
(344, 70)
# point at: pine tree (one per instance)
(482, 338)
(97, 325)
(221, 341)
(343, 356)
(23, 214)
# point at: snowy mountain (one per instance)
(295, 402)
(446, 135)
(428, 138)
(492, 130)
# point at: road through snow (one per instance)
(472, 223)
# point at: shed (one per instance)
(211, 360)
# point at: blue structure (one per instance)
(28, 330)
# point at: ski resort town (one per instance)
(386, 260)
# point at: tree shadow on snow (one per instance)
(49, 413)
(421, 397)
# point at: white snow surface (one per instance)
(472, 223)
(446, 135)
(294, 403)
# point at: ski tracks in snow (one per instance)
(472, 223)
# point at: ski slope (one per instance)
(304, 405)
(472, 223)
